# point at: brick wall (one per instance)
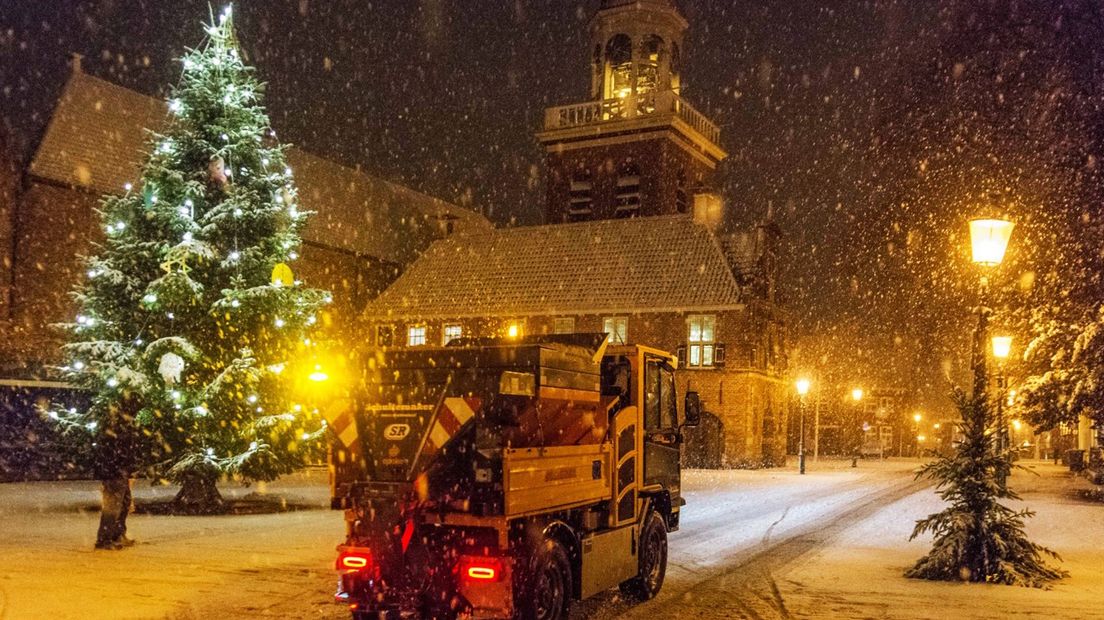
(659, 161)
(54, 226)
(9, 181)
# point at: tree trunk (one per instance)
(199, 495)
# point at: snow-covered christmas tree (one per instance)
(190, 319)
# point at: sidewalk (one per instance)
(860, 574)
(180, 564)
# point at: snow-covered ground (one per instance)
(753, 544)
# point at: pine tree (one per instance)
(976, 537)
(190, 321)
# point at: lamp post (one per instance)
(856, 398)
(916, 417)
(988, 242)
(802, 389)
(1002, 346)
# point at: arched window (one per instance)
(647, 74)
(618, 66)
(682, 196)
(676, 68)
(628, 191)
(581, 201)
(596, 71)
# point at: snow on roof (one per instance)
(651, 264)
(97, 138)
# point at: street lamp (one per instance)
(802, 386)
(988, 242)
(1002, 347)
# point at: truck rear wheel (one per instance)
(652, 558)
(547, 595)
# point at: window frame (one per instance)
(445, 338)
(556, 327)
(390, 327)
(410, 335)
(610, 334)
(701, 348)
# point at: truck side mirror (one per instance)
(692, 409)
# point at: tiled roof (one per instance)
(653, 264)
(96, 140)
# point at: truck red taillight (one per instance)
(480, 568)
(353, 559)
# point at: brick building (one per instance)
(363, 232)
(665, 281)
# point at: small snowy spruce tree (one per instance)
(976, 537)
(190, 321)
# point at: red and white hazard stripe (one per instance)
(451, 417)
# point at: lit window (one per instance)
(515, 329)
(617, 329)
(564, 325)
(451, 332)
(700, 341)
(416, 335)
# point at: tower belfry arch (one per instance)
(636, 148)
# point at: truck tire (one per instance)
(548, 588)
(652, 560)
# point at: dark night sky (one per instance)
(872, 127)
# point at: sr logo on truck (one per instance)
(395, 432)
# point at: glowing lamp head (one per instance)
(513, 330)
(802, 386)
(989, 240)
(1002, 346)
(1017, 425)
(916, 417)
(856, 394)
(318, 376)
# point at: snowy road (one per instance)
(753, 544)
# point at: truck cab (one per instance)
(499, 478)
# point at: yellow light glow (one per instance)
(802, 386)
(920, 438)
(1002, 346)
(989, 240)
(513, 330)
(916, 417)
(1016, 424)
(624, 92)
(936, 425)
(856, 394)
(318, 375)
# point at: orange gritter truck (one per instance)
(497, 478)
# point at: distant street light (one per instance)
(857, 394)
(802, 386)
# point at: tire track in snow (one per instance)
(745, 588)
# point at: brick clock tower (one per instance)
(637, 148)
